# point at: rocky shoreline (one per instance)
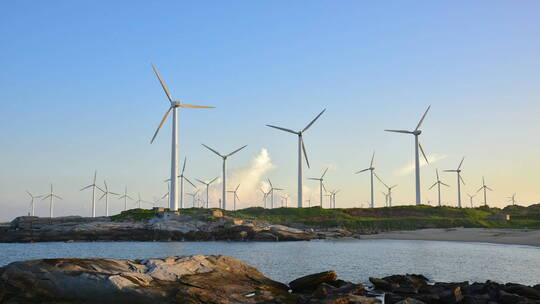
(171, 228)
(222, 279)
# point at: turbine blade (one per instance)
(29, 193)
(372, 159)
(450, 171)
(445, 184)
(380, 179)
(184, 166)
(461, 163)
(399, 131)
(422, 120)
(324, 173)
(95, 176)
(207, 147)
(461, 178)
(162, 83)
(489, 188)
(213, 180)
(187, 180)
(305, 153)
(58, 197)
(183, 105)
(113, 193)
(102, 196)
(311, 123)
(312, 178)
(423, 153)
(86, 187)
(432, 186)
(236, 151)
(200, 181)
(362, 171)
(437, 172)
(282, 129)
(161, 123)
(237, 188)
(271, 186)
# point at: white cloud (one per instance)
(409, 168)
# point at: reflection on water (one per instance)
(354, 260)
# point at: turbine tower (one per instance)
(512, 199)
(484, 187)
(333, 198)
(93, 186)
(182, 178)
(301, 150)
(174, 105)
(417, 146)
(235, 196)
(272, 189)
(32, 198)
(193, 195)
(51, 196)
(471, 199)
(125, 197)
(139, 201)
(438, 183)
(224, 157)
(265, 194)
(207, 187)
(321, 179)
(106, 194)
(372, 170)
(459, 181)
(388, 188)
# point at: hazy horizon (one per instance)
(78, 94)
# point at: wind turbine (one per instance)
(106, 195)
(301, 149)
(389, 188)
(333, 198)
(309, 202)
(272, 189)
(93, 186)
(32, 198)
(385, 198)
(438, 183)
(193, 195)
(321, 179)
(471, 199)
(224, 157)
(207, 187)
(51, 196)
(139, 201)
(125, 197)
(512, 199)
(371, 169)
(484, 187)
(174, 105)
(417, 146)
(459, 180)
(235, 196)
(265, 194)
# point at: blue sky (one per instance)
(77, 93)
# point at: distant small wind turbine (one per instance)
(309, 202)
(207, 184)
(417, 146)
(174, 105)
(265, 195)
(471, 197)
(140, 200)
(193, 195)
(512, 199)
(224, 173)
(51, 196)
(105, 195)
(372, 170)
(333, 198)
(484, 187)
(438, 183)
(388, 188)
(385, 198)
(272, 189)
(459, 181)
(93, 186)
(125, 197)
(301, 150)
(32, 198)
(235, 196)
(320, 179)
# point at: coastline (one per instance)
(529, 237)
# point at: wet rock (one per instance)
(510, 298)
(410, 301)
(311, 281)
(322, 290)
(522, 290)
(363, 300)
(380, 284)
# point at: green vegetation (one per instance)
(395, 218)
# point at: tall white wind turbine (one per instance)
(484, 187)
(32, 205)
(459, 181)
(372, 170)
(301, 150)
(235, 196)
(93, 186)
(271, 191)
(438, 183)
(174, 105)
(224, 177)
(51, 196)
(417, 146)
(207, 184)
(320, 179)
(105, 195)
(125, 197)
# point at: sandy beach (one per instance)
(483, 235)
